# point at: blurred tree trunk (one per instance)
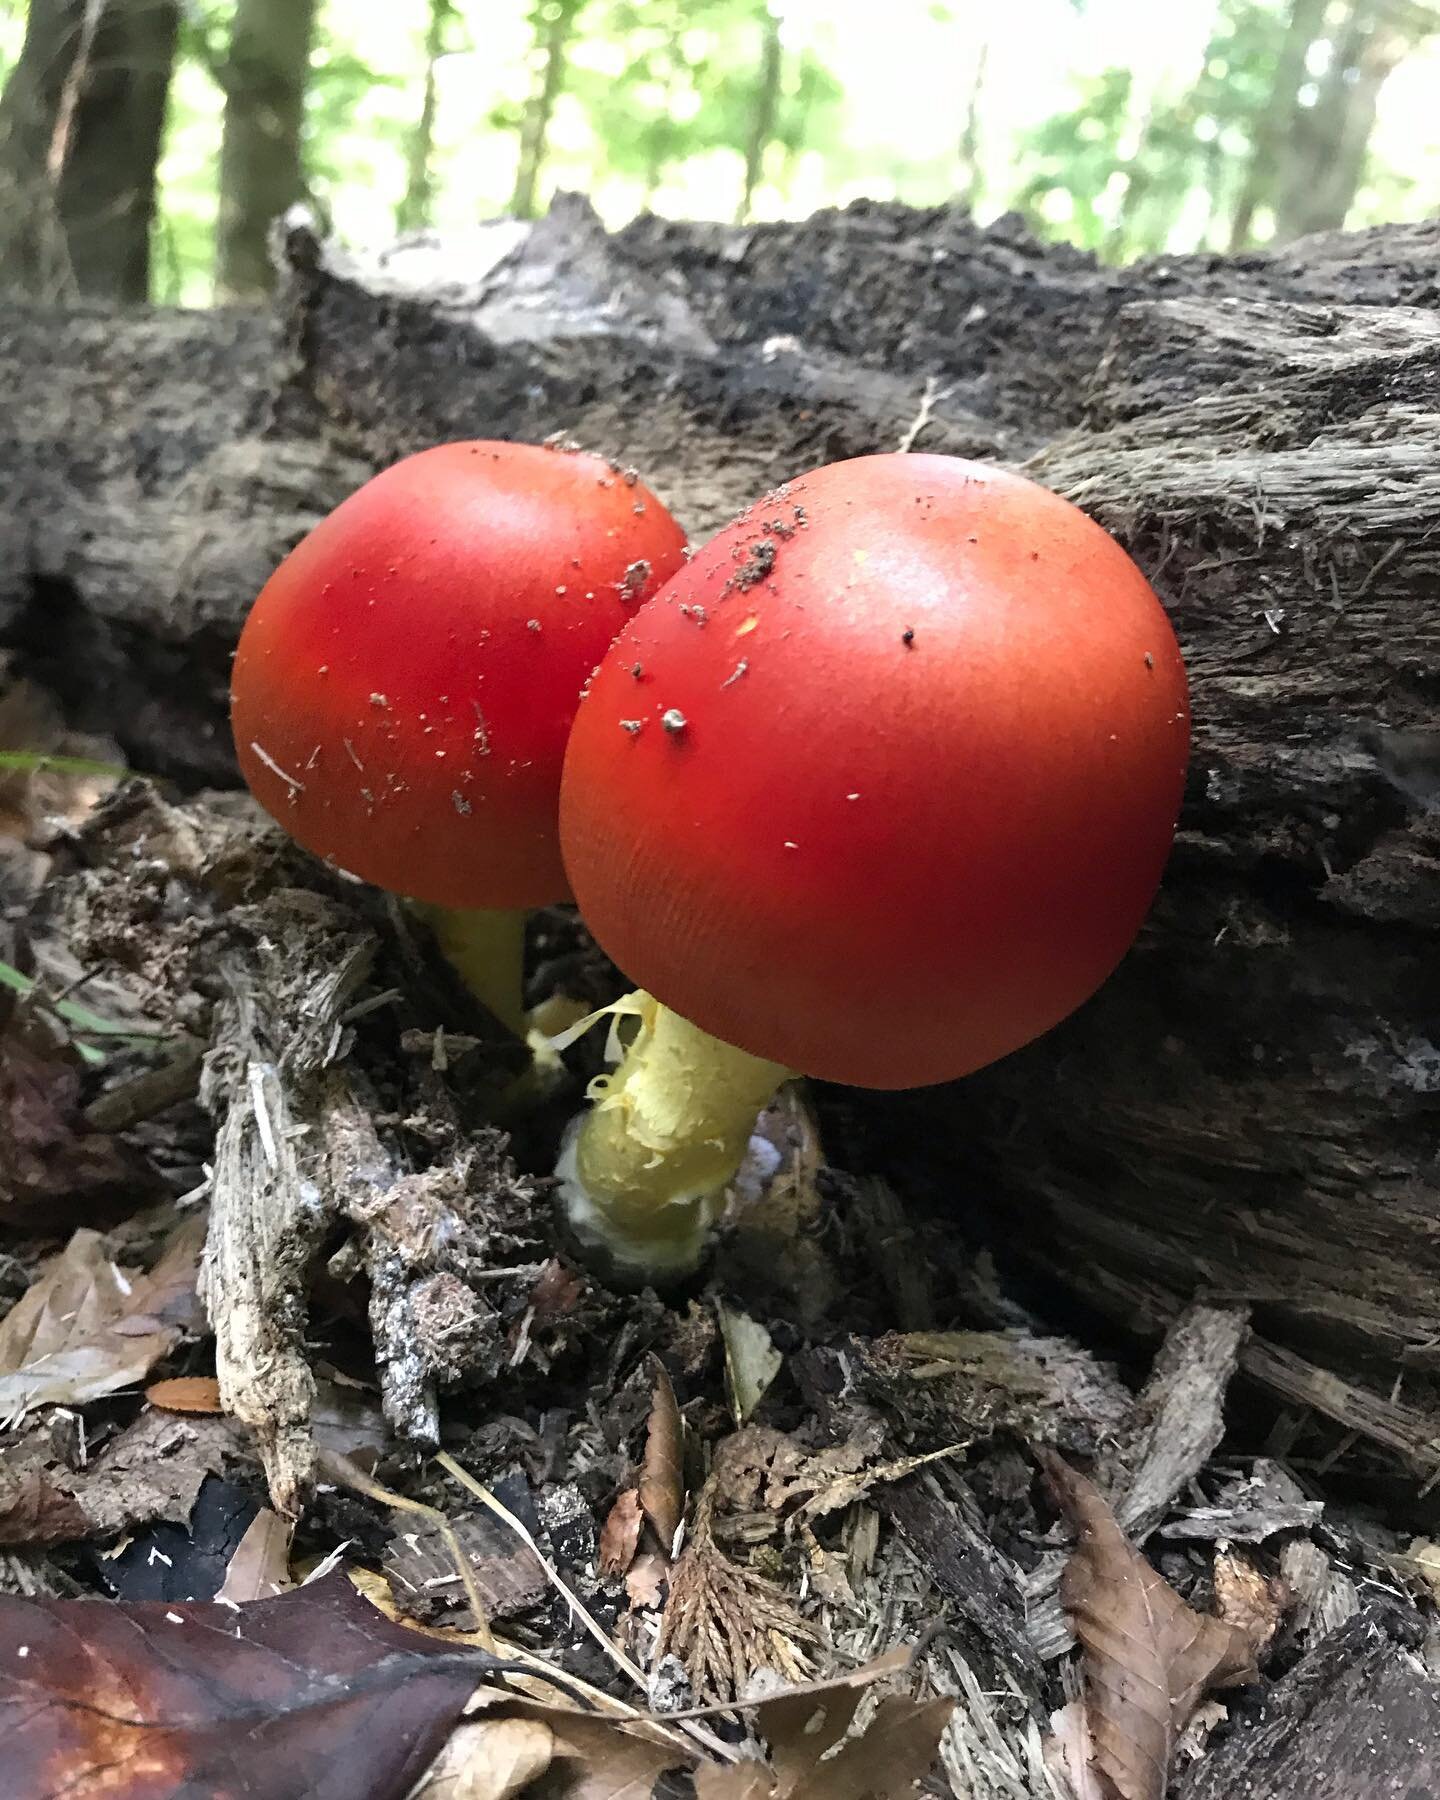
(261, 168)
(1328, 142)
(1278, 121)
(107, 176)
(33, 254)
(81, 122)
(414, 210)
(764, 113)
(554, 23)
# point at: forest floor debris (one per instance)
(733, 1499)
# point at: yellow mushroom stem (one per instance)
(486, 949)
(643, 1173)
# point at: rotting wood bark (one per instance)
(1175, 1423)
(299, 1153)
(1248, 1109)
(423, 1238)
(1358, 1716)
(277, 1032)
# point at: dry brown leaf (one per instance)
(599, 1758)
(620, 1534)
(662, 1474)
(153, 1470)
(490, 1759)
(55, 1171)
(1148, 1658)
(646, 1578)
(741, 1781)
(814, 1754)
(896, 1749)
(595, 1759)
(260, 1567)
(186, 1394)
(1247, 1598)
(83, 1329)
(815, 1758)
(312, 1691)
(801, 1727)
(33, 1512)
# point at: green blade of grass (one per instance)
(32, 762)
(74, 1014)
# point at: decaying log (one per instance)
(1359, 1716)
(1248, 1110)
(1251, 1104)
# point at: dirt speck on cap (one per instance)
(634, 579)
(757, 565)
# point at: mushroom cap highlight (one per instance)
(881, 785)
(406, 680)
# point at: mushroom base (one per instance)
(486, 948)
(643, 1174)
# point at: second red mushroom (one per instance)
(878, 789)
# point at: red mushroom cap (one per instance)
(892, 789)
(405, 683)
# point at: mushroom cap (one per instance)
(406, 680)
(912, 741)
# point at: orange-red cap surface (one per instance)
(881, 785)
(405, 682)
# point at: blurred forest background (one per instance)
(146, 144)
